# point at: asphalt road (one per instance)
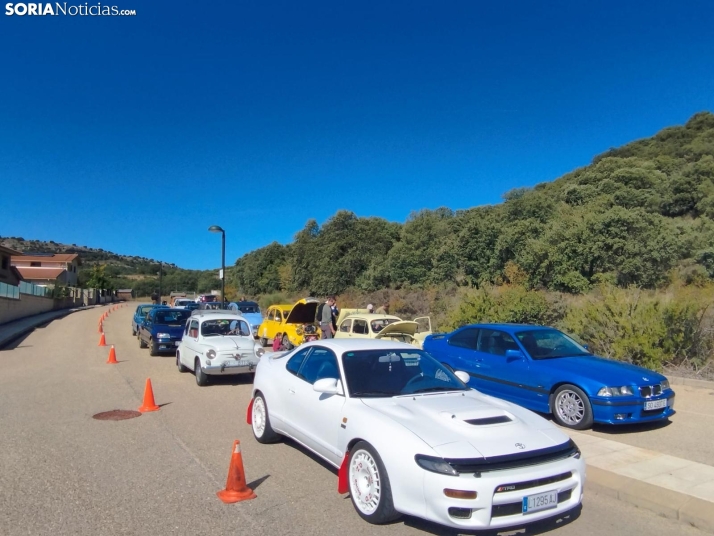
(62, 472)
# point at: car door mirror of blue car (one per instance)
(514, 355)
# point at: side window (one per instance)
(359, 326)
(346, 325)
(293, 366)
(496, 342)
(278, 318)
(321, 364)
(466, 338)
(271, 314)
(193, 329)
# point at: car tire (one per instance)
(142, 344)
(153, 348)
(368, 477)
(286, 342)
(201, 377)
(180, 366)
(263, 342)
(262, 430)
(133, 331)
(571, 407)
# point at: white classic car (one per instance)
(217, 343)
(361, 324)
(409, 437)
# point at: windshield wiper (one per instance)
(433, 389)
(361, 394)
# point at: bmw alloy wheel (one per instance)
(570, 407)
(365, 482)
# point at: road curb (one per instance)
(18, 331)
(701, 384)
(675, 505)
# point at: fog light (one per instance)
(460, 513)
(620, 416)
(460, 494)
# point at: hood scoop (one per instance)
(485, 421)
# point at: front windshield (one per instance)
(380, 324)
(224, 326)
(387, 373)
(549, 344)
(172, 318)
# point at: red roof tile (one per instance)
(35, 273)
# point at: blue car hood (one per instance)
(606, 371)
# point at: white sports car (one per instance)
(217, 343)
(409, 437)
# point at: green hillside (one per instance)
(629, 218)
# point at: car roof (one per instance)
(283, 305)
(345, 345)
(246, 302)
(509, 328)
(212, 314)
(371, 316)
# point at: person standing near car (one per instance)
(335, 314)
(384, 309)
(324, 317)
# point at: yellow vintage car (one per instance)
(294, 324)
(361, 324)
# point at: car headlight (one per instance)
(435, 465)
(211, 354)
(664, 384)
(625, 390)
(163, 335)
(259, 351)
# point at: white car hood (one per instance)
(440, 421)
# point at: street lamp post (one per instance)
(218, 229)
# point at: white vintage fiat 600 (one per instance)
(217, 343)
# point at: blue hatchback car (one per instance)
(162, 329)
(544, 370)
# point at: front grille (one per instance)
(533, 483)
(650, 390)
(512, 461)
(514, 508)
(489, 420)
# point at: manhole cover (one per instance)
(116, 415)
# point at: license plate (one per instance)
(655, 404)
(541, 501)
(239, 363)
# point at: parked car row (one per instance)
(432, 425)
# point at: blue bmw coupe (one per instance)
(544, 370)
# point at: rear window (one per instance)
(144, 309)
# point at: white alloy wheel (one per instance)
(260, 421)
(365, 482)
(259, 415)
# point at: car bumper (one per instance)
(494, 509)
(615, 411)
(163, 345)
(227, 368)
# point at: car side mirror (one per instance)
(329, 386)
(463, 376)
(514, 355)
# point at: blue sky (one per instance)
(135, 134)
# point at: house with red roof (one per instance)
(48, 269)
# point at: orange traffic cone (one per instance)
(236, 488)
(149, 404)
(101, 328)
(112, 357)
(102, 341)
